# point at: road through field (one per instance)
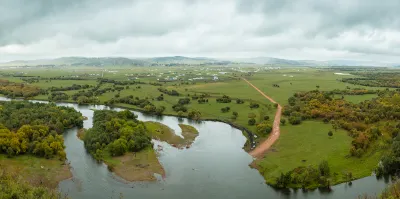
(264, 146)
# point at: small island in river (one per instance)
(124, 143)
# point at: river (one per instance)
(215, 166)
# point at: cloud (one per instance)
(304, 29)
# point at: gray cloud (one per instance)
(304, 29)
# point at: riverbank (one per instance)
(134, 167)
(163, 133)
(81, 133)
(312, 147)
(36, 171)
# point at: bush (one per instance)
(194, 115)
(225, 109)
(283, 121)
(295, 120)
(239, 101)
(266, 117)
(264, 128)
(251, 122)
(224, 99)
(254, 105)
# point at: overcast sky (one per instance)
(292, 29)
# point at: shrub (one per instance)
(251, 122)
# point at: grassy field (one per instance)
(359, 98)
(309, 144)
(36, 171)
(306, 144)
(163, 133)
(139, 166)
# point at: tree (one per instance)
(251, 122)
(330, 133)
(180, 114)
(324, 168)
(118, 147)
(294, 120)
(266, 117)
(194, 114)
(283, 121)
(264, 128)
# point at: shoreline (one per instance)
(249, 137)
(214, 120)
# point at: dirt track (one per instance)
(263, 147)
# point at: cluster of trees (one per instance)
(179, 108)
(239, 101)
(13, 90)
(264, 128)
(160, 98)
(390, 163)
(225, 109)
(116, 133)
(254, 105)
(116, 82)
(136, 101)
(306, 177)
(169, 92)
(85, 97)
(155, 84)
(36, 139)
(355, 91)
(375, 79)
(194, 114)
(202, 101)
(365, 121)
(58, 96)
(35, 128)
(183, 101)
(224, 99)
(69, 88)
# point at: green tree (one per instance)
(251, 122)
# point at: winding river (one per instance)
(215, 166)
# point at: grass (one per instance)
(139, 166)
(163, 133)
(359, 98)
(189, 133)
(81, 133)
(309, 144)
(36, 171)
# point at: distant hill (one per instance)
(116, 61)
(181, 60)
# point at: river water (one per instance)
(215, 166)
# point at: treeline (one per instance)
(169, 92)
(144, 104)
(308, 177)
(35, 128)
(115, 133)
(13, 90)
(69, 88)
(355, 91)
(375, 79)
(117, 82)
(365, 122)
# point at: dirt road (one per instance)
(263, 147)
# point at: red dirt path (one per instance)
(264, 146)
